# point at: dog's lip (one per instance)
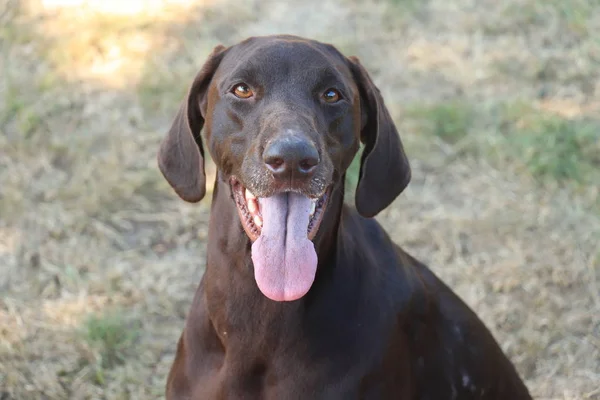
(234, 181)
(252, 226)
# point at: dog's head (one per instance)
(283, 118)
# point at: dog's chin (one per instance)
(249, 210)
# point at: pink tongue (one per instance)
(284, 259)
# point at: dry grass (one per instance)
(99, 260)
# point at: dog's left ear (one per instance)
(181, 154)
(384, 167)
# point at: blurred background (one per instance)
(498, 104)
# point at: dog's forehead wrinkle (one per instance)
(297, 51)
(299, 62)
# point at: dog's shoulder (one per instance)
(446, 337)
(449, 342)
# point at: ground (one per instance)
(498, 104)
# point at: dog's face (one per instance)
(283, 118)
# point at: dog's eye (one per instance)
(242, 91)
(332, 96)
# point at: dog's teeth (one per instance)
(257, 220)
(252, 206)
(249, 195)
(313, 207)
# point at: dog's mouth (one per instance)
(250, 208)
(281, 228)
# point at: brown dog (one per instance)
(304, 297)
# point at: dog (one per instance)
(304, 297)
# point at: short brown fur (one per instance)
(376, 323)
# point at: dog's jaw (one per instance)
(249, 210)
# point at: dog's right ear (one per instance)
(181, 154)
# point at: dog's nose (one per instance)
(291, 156)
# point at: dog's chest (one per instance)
(290, 378)
(329, 364)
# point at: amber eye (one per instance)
(332, 96)
(242, 91)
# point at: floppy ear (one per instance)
(181, 154)
(384, 167)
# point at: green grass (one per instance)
(575, 14)
(406, 6)
(111, 335)
(553, 147)
(450, 121)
